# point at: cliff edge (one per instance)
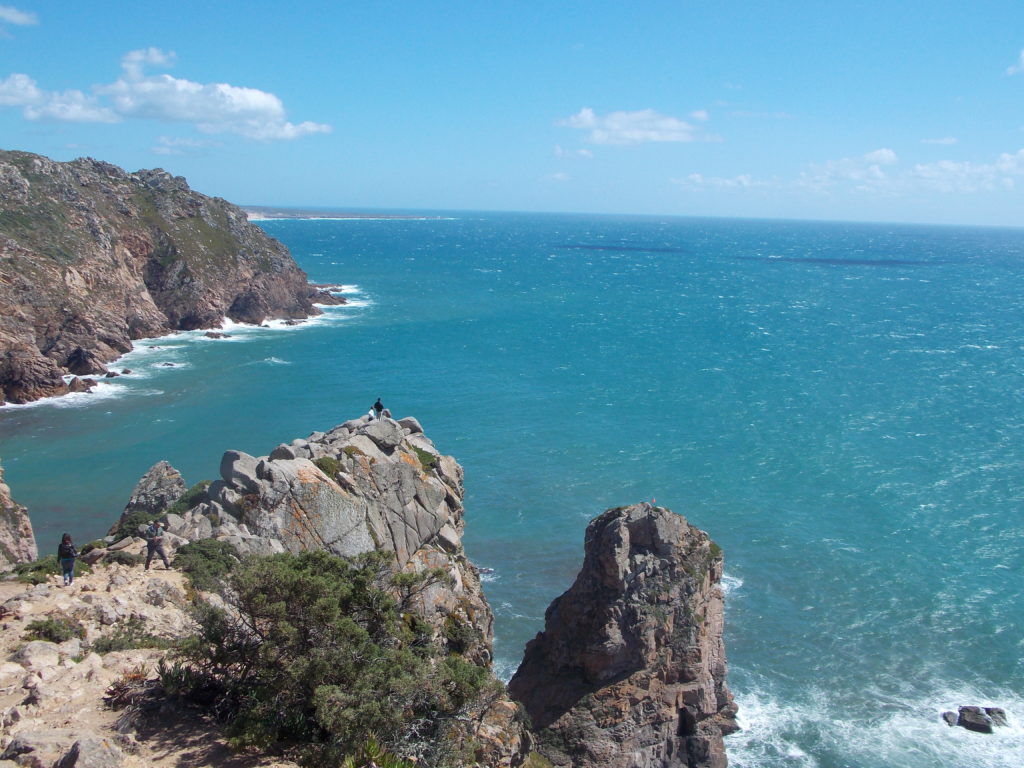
(17, 539)
(92, 257)
(629, 671)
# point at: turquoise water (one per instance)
(838, 405)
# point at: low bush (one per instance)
(427, 459)
(127, 635)
(39, 571)
(328, 465)
(206, 562)
(314, 655)
(194, 495)
(56, 629)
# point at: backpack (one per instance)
(64, 551)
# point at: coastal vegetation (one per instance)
(311, 654)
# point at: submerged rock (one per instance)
(629, 671)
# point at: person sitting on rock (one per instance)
(155, 543)
(67, 553)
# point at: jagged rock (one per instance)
(83, 362)
(17, 540)
(80, 385)
(39, 748)
(977, 719)
(629, 671)
(92, 752)
(159, 488)
(92, 258)
(37, 655)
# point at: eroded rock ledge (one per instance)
(629, 671)
(92, 257)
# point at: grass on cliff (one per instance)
(39, 571)
(313, 655)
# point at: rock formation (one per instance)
(363, 485)
(159, 488)
(629, 671)
(92, 257)
(977, 719)
(17, 540)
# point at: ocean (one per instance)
(841, 407)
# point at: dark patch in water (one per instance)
(844, 262)
(620, 248)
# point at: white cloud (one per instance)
(22, 91)
(559, 177)
(742, 181)
(1018, 67)
(944, 141)
(169, 145)
(639, 127)
(881, 157)
(701, 115)
(11, 15)
(210, 107)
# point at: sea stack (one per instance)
(629, 671)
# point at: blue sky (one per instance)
(905, 111)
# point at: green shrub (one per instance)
(352, 451)
(121, 557)
(194, 495)
(39, 571)
(427, 459)
(129, 524)
(206, 562)
(328, 465)
(716, 551)
(55, 629)
(95, 544)
(314, 655)
(127, 635)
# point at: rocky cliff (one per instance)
(17, 540)
(629, 671)
(92, 257)
(363, 485)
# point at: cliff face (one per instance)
(17, 540)
(92, 257)
(629, 671)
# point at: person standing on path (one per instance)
(67, 553)
(155, 544)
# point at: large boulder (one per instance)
(17, 539)
(629, 671)
(158, 489)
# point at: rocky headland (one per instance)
(629, 671)
(93, 257)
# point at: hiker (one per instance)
(155, 543)
(67, 553)
(378, 408)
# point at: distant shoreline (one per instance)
(260, 213)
